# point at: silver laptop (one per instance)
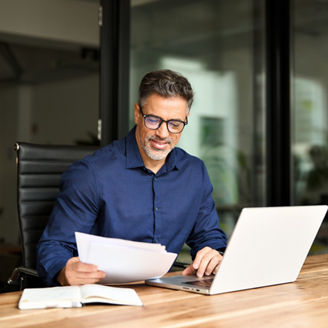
(267, 247)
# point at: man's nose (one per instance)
(162, 131)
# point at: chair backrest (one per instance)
(39, 169)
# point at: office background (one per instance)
(258, 68)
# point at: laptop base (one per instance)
(186, 283)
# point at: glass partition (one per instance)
(309, 108)
(219, 46)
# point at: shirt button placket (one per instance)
(156, 210)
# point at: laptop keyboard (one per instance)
(202, 283)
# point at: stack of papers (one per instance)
(123, 260)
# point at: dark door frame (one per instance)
(114, 24)
(278, 105)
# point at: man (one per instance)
(138, 188)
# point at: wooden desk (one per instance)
(300, 304)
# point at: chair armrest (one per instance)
(181, 265)
(15, 278)
(178, 266)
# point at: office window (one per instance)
(219, 47)
(309, 108)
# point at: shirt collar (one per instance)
(133, 157)
(134, 160)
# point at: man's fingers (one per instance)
(81, 281)
(75, 264)
(85, 267)
(82, 278)
(90, 275)
(78, 273)
(199, 257)
(188, 270)
(214, 262)
(217, 268)
(204, 256)
(206, 262)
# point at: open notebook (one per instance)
(76, 296)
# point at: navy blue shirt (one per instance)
(112, 194)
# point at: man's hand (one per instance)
(206, 262)
(79, 273)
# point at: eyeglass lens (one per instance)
(154, 123)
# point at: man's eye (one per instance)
(152, 120)
(175, 124)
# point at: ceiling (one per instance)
(37, 64)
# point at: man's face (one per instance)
(156, 144)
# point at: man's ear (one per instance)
(136, 113)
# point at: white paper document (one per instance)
(123, 260)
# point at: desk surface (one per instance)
(300, 304)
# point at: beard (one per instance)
(156, 154)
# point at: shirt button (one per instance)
(156, 208)
(155, 179)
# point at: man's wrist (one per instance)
(61, 277)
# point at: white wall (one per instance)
(67, 21)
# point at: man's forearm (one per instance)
(52, 258)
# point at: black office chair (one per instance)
(39, 169)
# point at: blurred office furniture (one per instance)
(39, 169)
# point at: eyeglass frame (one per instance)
(161, 121)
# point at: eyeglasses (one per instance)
(153, 122)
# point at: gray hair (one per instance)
(165, 83)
